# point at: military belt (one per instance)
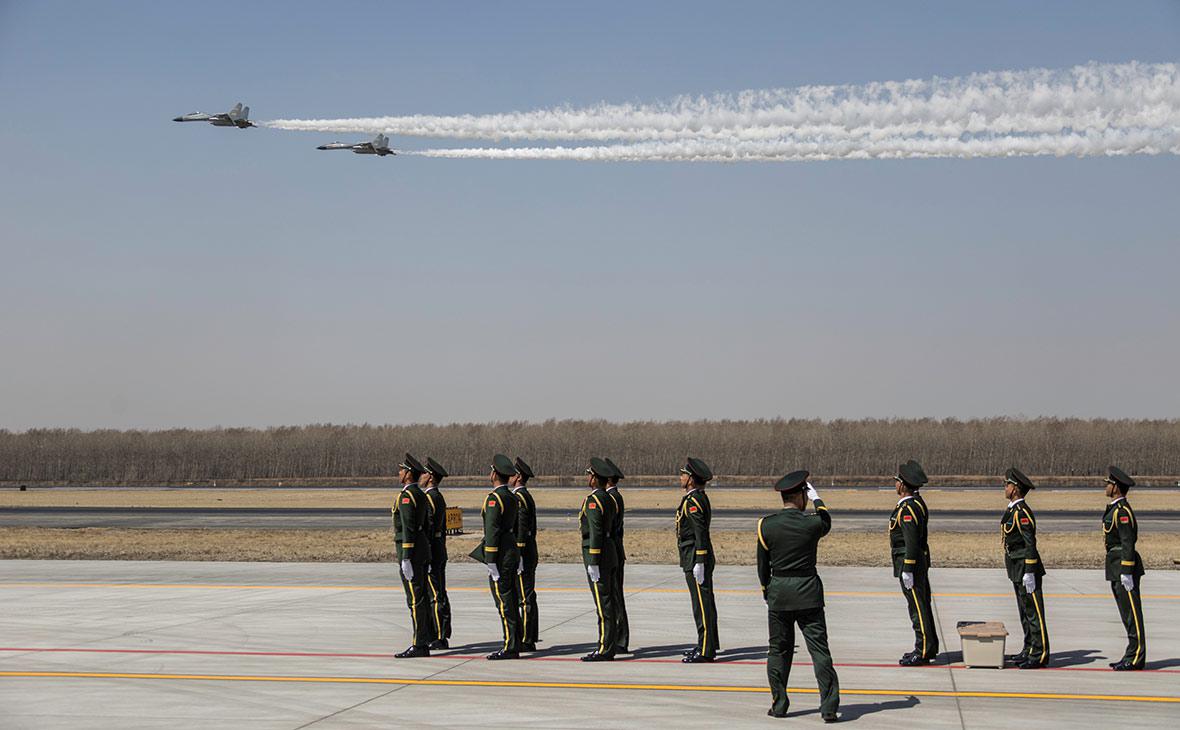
(793, 573)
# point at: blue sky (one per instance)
(156, 274)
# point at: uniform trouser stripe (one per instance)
(704, 621)
(601, 619)
(413, 608)
(524, 614)
(1131, 613)
(1041, 617)
(1138, 628)
(921, 621)
(500, 605)
(437, 618)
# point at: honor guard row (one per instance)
(787, 543)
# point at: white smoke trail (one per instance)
(1113, 142)
(1089, 98)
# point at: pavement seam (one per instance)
(950, 669)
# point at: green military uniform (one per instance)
(794, 594)
(910, 552)
(436, 580)
(1018, 533)
(498, 548)
(1120, 531)
(696, 549)
(410, 513)
(596, 519)
(526, 542)
(623, 630)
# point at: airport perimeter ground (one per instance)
(120, 644)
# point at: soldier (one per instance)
(436, 579)
(1124, 567)
(910, 551)
(526, 542)
(696, 557)
(794, 593)
(410, 512)
(598, 554)
(1018, 533)
(498, 551)
(623, 633)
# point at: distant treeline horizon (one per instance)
(1049, 446)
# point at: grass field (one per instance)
(968, 550)
(723, 498)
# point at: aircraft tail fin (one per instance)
(236, 112)
(245, 113)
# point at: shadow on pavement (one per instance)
(745, 653)
(1074, 657)
(486, 647)
(565, 650)
(850, 713)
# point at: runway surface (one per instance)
(378, 518)
(265, 645)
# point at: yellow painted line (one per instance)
(482, 589)
(582, 685)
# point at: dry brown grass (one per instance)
(724, 498)
(1059, 550)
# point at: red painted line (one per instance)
(358, 655)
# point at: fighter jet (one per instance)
(238, 117)
(379, 146)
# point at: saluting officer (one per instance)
(910, 551)
(526, 542)
(794, 593)
(1124, 567)
(598, 554)
(623, 633)
(696, 557)
(410, 513)
(498, 551)
(1018, 532)
(436, 580)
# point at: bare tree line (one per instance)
(1053, 446)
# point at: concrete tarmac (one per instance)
(295, 518)
(270, 645)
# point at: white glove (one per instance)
(594, 572)
(1030, 583)
(1128, 582)
(811, 493)
(907, 580)
(429, 568)
(698, 572)
(520, 568)
(493, 571)
(407, 569)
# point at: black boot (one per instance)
(412, 652)
(596, 657)
(440, 644)
(501, 655)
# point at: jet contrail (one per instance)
(1092, 109)
(1110, 143)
